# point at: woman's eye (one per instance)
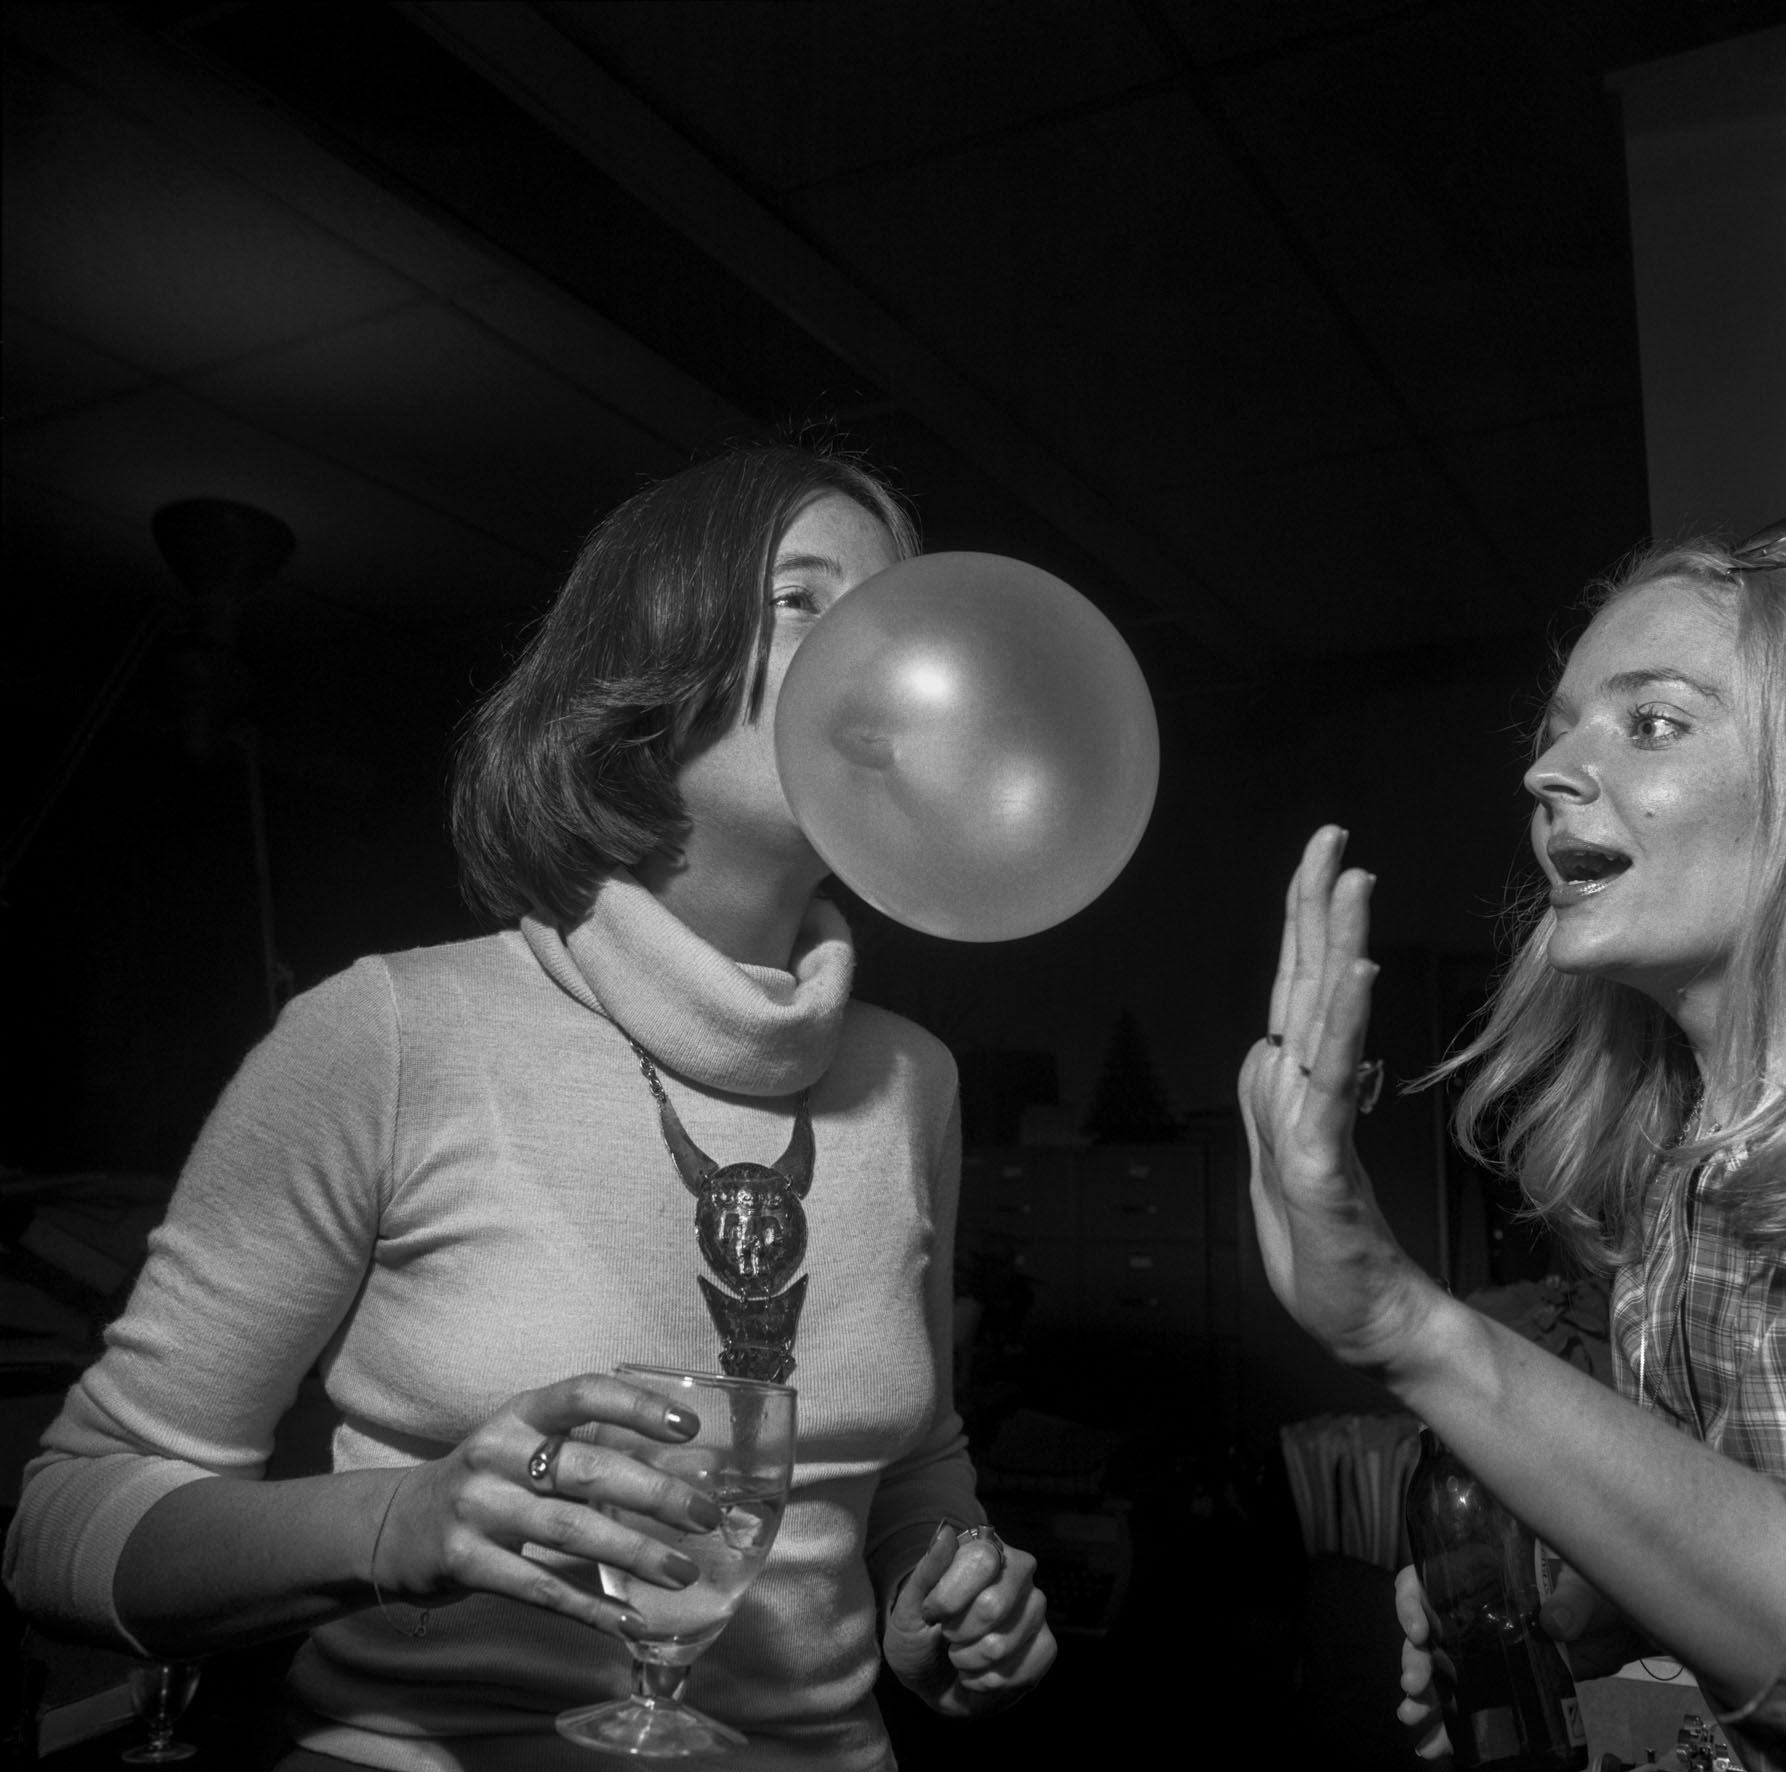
(796, 597)
(1656, 726)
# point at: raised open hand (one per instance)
(1328, 1253)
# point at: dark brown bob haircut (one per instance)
(655, 643)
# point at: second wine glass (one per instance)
(743, 1456)
(159, 1692)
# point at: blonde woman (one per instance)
(1632, 1074)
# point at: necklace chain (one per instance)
(654, 1082)
(649, 1072)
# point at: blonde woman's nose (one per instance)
(1562, 774)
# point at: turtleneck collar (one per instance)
(748, 1030)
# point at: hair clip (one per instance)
(1764, 551)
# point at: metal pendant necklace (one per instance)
(751, 1228)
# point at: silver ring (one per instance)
(1368, 1081)
(542, 1467)
(987, 1535)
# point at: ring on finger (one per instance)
(986, 1535)
(1368, 1081)
(542, 1467)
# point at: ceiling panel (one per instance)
(1557, 494)
(118, 235)
(1049, 260)
(1335, 556)
(848, 88)
(1272, 31)
(588, 351)
(433, 405)
(47, 371)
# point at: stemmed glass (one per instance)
(743, 1457)
(159, 1692)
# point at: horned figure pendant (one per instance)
(752, 1231)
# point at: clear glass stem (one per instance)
(654, 1680)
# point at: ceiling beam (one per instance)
(522, 55)
(1195, 85)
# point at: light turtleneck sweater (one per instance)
(441, 1176)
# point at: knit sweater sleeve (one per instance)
(935, 1480)
(262, 1251)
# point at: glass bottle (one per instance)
(1509, 1703)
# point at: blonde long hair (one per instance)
(1583, 1088)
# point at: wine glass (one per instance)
(159, 1692)
(743, 1457)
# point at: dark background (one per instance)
(1302, 337)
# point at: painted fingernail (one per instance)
(704, 1512)
(684, 1571)
(628, 1622)
(682, 1421)
(936, 1537)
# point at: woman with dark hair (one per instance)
(456, 1178)
(1632, 1075)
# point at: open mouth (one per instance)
(1580, 864)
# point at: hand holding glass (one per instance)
(743, 1456)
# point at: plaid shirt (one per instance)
(1699, 1338)
(1699, 1329)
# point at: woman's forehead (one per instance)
(1670, 625)
(831, 522)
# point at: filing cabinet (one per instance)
(1116, 1238)
(1027, 1194)
(1153, 1191)
(1150, 1288)
(1053, 1272)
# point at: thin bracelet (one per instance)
(421, 1628)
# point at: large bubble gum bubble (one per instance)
(969, 745)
